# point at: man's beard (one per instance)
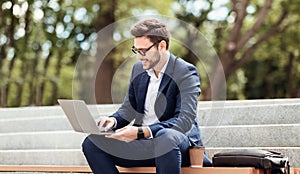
(155, 62)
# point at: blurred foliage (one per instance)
(41, 40)
(271, 65)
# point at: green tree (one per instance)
(274, 70)
(38, 38)
(40, 41)
(244, 29)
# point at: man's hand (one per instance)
(127, 134)
(106, 123)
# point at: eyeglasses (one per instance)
(142, 51)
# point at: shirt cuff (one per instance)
(151, 135)
(115, 125)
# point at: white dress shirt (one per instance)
(154, 83)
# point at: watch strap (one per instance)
(140, 133)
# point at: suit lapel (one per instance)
(142, 91)
(168, 74)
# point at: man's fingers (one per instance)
(115, 136)
(98, 122)
(101, 123)
(108, 126)
(122, 134)
(105, 124)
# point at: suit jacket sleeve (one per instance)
(127, 112)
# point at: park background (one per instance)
(257, 42)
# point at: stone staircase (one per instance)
(43, 136)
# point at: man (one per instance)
(162, 100)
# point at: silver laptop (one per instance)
(80, 117)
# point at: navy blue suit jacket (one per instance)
(176, 103)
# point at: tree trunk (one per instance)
(19, 94)
(11, 43)
(4, 96)
(105, 73)
(39, 93)
(20, 86)
(57, 74)
(3, 26)
(39, 79)
(216, 90)
(236, 44)
(103, 82)
(289, 68)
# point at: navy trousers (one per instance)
(168, 151)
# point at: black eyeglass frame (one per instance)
(143, 51)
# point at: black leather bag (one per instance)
(262, 159)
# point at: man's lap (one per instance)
(144, 151)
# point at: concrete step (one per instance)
(281, 135)
(228, 136)
(255, 102)
(76, 157)
(42, 157)
(46, 111)
(246, 115)
(21, 112)
(41, 140)
(250, 115)
(50, 123)
(35, 124)
(212, 113)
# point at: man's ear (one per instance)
(162, 45)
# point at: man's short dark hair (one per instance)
(153, 29)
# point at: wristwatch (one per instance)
(140, 133)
